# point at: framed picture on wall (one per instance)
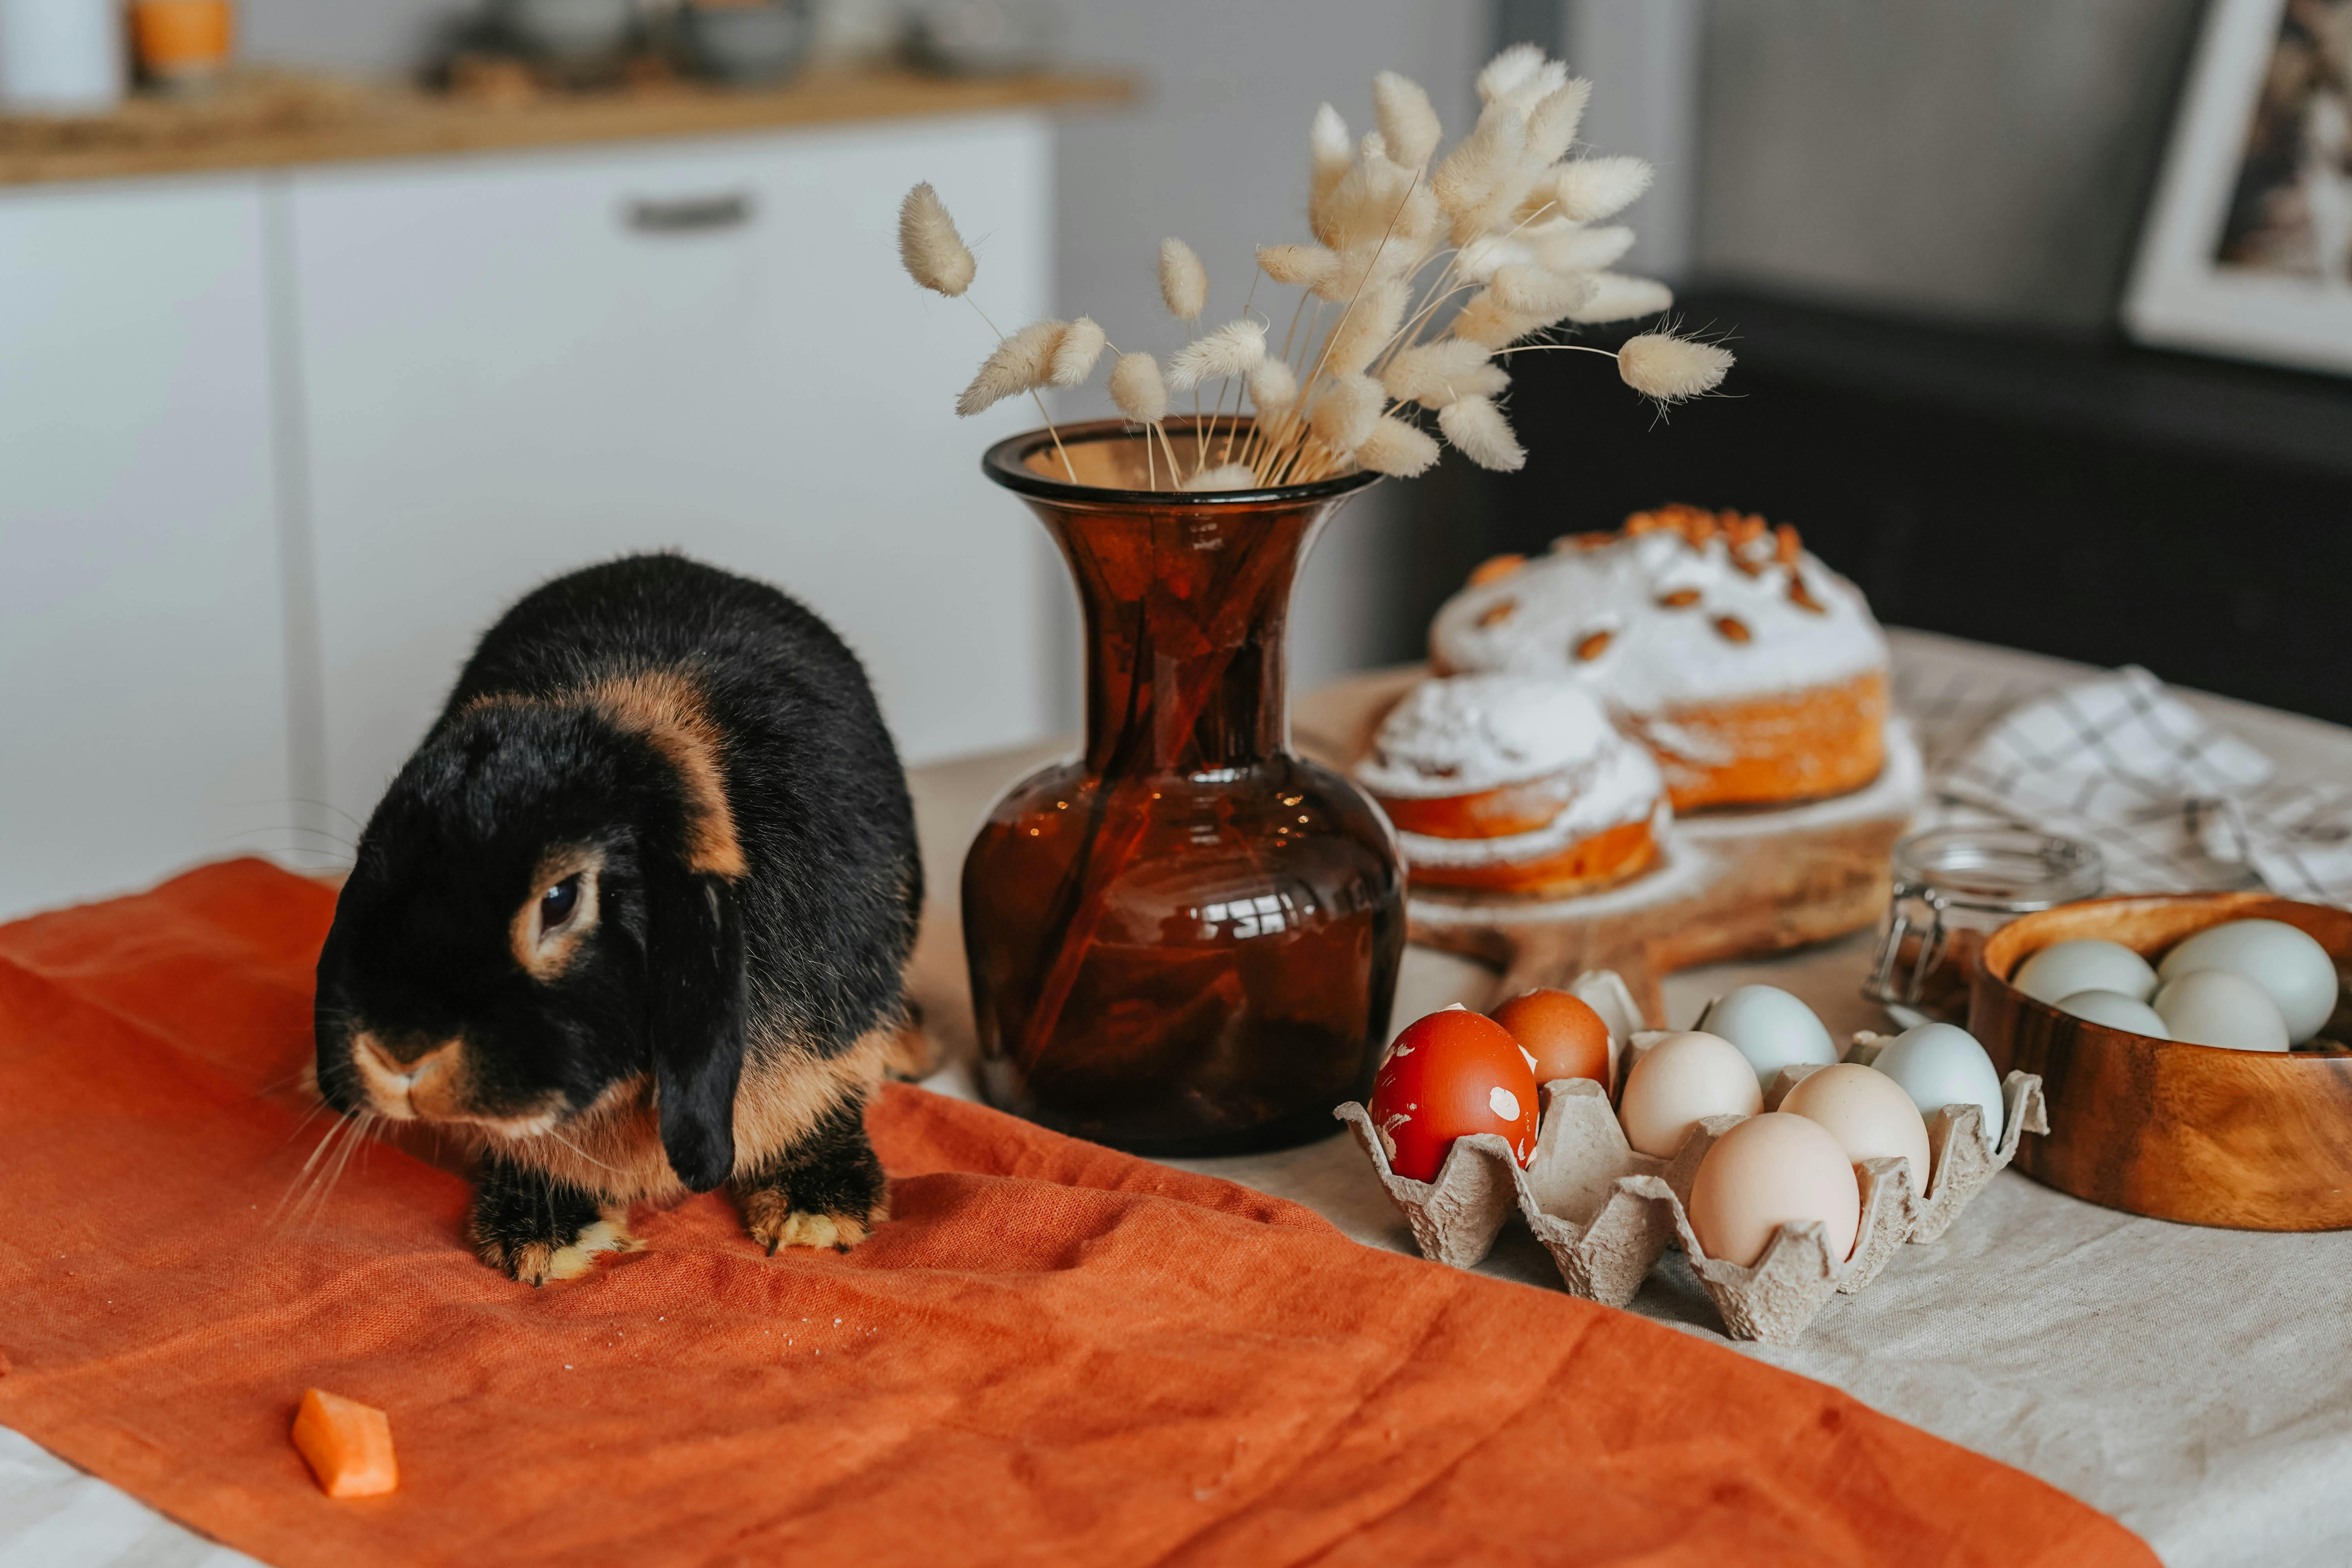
(2248, 251)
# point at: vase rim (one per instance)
(1005, 463)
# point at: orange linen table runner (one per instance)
(1054, 1354)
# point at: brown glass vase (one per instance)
(1184, 940)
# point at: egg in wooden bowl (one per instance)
(2256, 1139)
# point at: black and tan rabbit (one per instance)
(636, 917)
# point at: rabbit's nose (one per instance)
(409, 1067)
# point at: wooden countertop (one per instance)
(269, 120)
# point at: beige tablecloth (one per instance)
(2196, 1384)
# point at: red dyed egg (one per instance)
(1451, 1074)
(1562, 1032)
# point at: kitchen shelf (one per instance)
(268, 119)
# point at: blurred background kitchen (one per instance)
(329, 326)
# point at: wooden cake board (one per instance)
(1728, 885)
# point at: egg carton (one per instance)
(1961, 1158)
(1455, 1218)
(1606, 1213)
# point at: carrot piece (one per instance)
(347, 1445)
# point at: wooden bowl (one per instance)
(2249, 1140)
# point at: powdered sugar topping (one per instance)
(1473, 733)
(1653, 621)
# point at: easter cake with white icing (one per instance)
(1515, 783)
(1755, 674)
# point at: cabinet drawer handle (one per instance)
(691, 214)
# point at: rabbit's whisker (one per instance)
(576, 1149)
(303, 1121)
(307, 1192)
(356, 1139)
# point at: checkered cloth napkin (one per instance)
(2173, 802)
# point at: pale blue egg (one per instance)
(1939, 1064)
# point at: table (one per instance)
(2195, 1384)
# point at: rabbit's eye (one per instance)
(556, 904)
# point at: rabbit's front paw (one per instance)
(531, 1229)
(773, 1222)
(536, 1262)
(827, 1190)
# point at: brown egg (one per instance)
(1562, 1034)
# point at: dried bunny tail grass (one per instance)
(1367, 328)
(1618, 298)
(1467, 180)
(1230, 477)
(1485, 320)
(1392, 446)
(1273, 390)
(1669, 369)
(1328, 145)
(1547, 78)
(1137, 389)
(1417, 217)
(1483, 257)
(1236, 348)
(1584, 250)
(1532, 291)
(1486, 381)
(1553, 122)
(1183, 281)
(1303, 265)
(1434, 373)
(934, 253)
(1590, 189)
(1346, 412)
(1476, 429)
(1377, 199)
(1361, 267)
(1331, 152)
(1409, 124)
(1021, 362)
(1510, 70)
(1075, 355)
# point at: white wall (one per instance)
(371, 37)
(1985, 159)
(1643, 58)
(1215, 153)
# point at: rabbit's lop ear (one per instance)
(695, 988)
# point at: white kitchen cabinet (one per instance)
(511, 367)
(143, 669)
(274, 449)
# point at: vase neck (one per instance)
(1186, 609)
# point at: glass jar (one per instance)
(1953, 888)
(1185, 940)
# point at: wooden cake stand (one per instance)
(1728, 885)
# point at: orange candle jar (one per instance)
(182, 44)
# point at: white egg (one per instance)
(1771, 1028)
(2280, 958)
(1939, 1064)
(1680, 1081)
(2116, 1011)
(2064, 968)
(1868, 1113)
(2215, 1007)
